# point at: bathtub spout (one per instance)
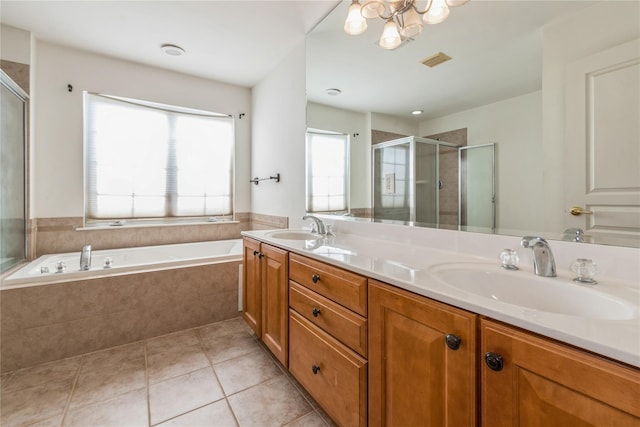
(85, 258)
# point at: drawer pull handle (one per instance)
(315, 278)
(453, 341)
(315, 311)
(494, 361)
(315, 369)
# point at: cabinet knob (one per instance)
(315, 278)
(494, 361)
(255, 253)
(315, 311)
(260, 255)
(315, 369)
(453, 341)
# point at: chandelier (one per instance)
(404, 18)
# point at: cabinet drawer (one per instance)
(334, 375)
(342, 286)
(343, 324)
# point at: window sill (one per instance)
(133, 224)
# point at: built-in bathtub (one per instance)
(44, 270)
(147, 291)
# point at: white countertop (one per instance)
(407, 265)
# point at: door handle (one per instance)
(577, 210)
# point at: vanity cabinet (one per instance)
(265, 298)
(530, 380)
(422, 360)
(328, 337)
(374, 354)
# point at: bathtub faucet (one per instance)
(85, 258)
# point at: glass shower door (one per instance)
(12, 173)
(392, 182)
(477, 182)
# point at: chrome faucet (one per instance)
(543, 262)
(318, 222)
(85, 257)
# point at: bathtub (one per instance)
(147, 292)
(44, 270)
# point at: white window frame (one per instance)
(309, 197)
(169, 214)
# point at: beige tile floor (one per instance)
(217, 375)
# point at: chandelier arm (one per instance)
(425, 10)
(406, 5)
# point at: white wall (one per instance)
(58, 173)
(278, 140)
(349, 122)
(15, 45)
(515, 125)
(603, 25)
(394, 124)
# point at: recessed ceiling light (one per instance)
(333, 92)
(417, 112)
(171, 49)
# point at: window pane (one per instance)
(204, 165)
(147, 160)
(327, 173)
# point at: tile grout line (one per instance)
(215, 374)
(146, 380)
(76, 378)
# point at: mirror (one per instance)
(506, 83)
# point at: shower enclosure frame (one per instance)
(7, 82)
(412, 141)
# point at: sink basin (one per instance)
(520, 288)
(294, 235)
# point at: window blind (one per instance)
(327, 172)
(146, 160)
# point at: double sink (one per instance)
(559, 296)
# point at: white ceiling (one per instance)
(237, 42)
(496, 46)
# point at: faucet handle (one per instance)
(585, 269)
(509, 259)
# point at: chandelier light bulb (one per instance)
(438, 12)
(355, 23)
(390, 38)
(412, 24)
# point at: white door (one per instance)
(602, 136)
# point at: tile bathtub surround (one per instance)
(181, 379)
(60, 235)
(45, 323)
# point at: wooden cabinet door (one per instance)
(275, 301)
(333, 374)
(415, 379)
(547, 384)
(251, 286)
